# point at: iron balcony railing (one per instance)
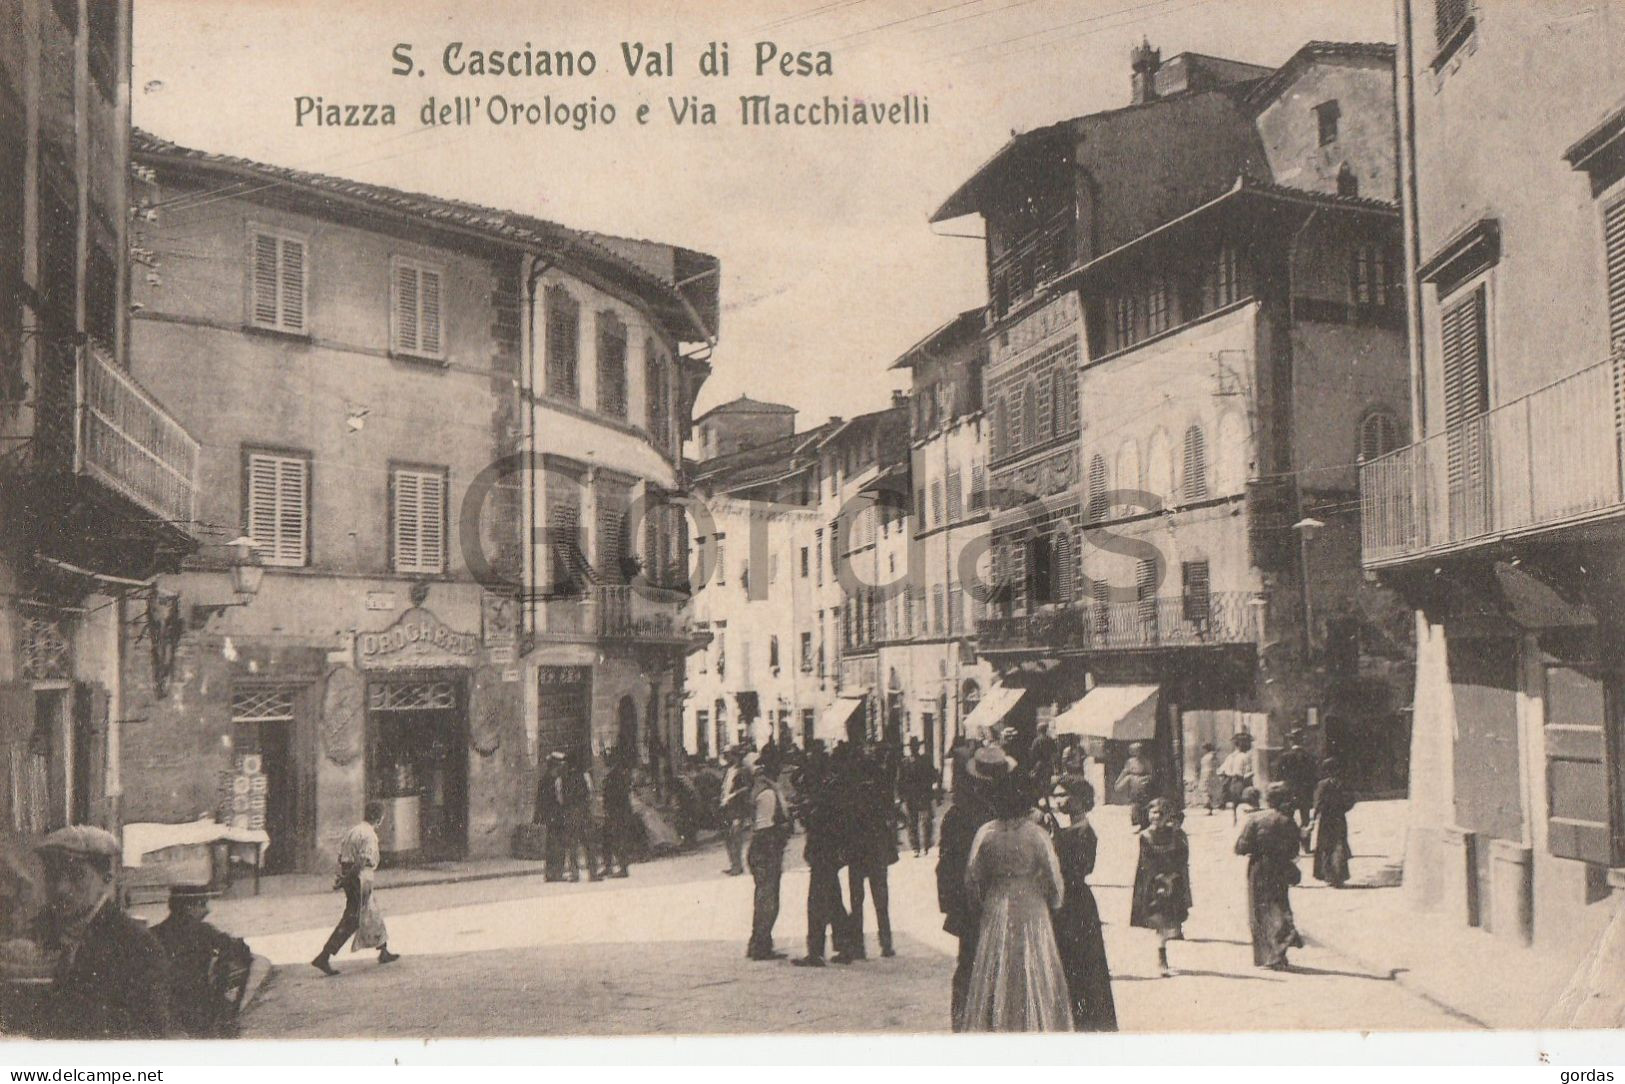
(615, 612)
(1161, 622)
(1546, 460)
(95, 420)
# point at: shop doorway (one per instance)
(417, 765)
(263, 725)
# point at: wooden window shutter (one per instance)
(1195, 487)
(265, 308)
(1098, 500)
(278, 508)
(419, 528)
(293, 285)
(955, 497)
(1580, 808)
(406, 308)
(1063, 566)
(1196, 592)
(1466, 398)
(1614, 231)
(429, 307)
(408, 518)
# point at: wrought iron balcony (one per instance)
(95, 421)
(621, 612)
(1147, 624)
(1550, 459)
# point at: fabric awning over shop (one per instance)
(1114, 712)
(830, 726)
(990, 711)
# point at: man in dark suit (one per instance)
(112, 977)
(965, 817)
(1296, 768)
(824, 814)
(214, 974)
(917, 787)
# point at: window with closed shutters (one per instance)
(1614, 232)
(563, 344)
(1099, 500)
(1145, 592)
(978, 487)
(1583, 819)
(1195, 483)
(936, 504)
(278, 286)
(956, 499)
(1448, 17)
(1195, 591)
(1466, 398)
(416, 322)
(611, 365)
(1029, 416)
(277, 491)
(1379, 435)
(418, 520)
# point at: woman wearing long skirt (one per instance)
(1014, 879)
(1332, 805)
(1077, 923)
(1270, 841)
(1162, 880)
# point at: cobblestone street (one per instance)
(663, 953)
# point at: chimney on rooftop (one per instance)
(1145, 61)
(899, 397)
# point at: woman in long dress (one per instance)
(1077, 923)
(1270, 841)
(1014, 879)
(1162, 880)
(1332, 805)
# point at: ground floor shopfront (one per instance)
(289, 712)
(1517, 776)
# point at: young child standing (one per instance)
(1162, 880)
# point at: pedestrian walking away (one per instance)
(918, 786)
(580, 828)
(1077, 924)
(1162, 880)
(1331, 826)
(1014, 879)
(823, 812)
(1270, 841)
(770, 831)
(358, 859)
(619, 819)
(112, 978)
(964, 818)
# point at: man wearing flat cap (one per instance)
(112, 977)
(213, 973)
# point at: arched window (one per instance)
(1128, 471)
(1195, 487)
(1159, 467)
(1001, 427)
(1057, 402)
(1098, 505)
(1063, 566)
(1379, 435)
(1029, 415)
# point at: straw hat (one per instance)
(990, 763)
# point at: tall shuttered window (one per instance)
(277, 501)
(1194, 589)
(1614, 229)
(611, 365)
(955, 497)
(1195, 487)
(417, 498)
(1582, 812)
(1448, 17)
(1029, 416)
(1099, 500)
(563, 344)
(278, 281)
(1466, 398)
(415, 309)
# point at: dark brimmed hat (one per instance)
(990, 763)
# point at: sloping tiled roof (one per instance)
(505, 227)
(1269, 87)
(746, 405)
(761, 462)
(967, 324)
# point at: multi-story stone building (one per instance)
(97, 478)
(392, 396)
(1501, 520)
(740, 424)
(1194, 337)
(942, 679)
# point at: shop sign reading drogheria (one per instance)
(418, 639)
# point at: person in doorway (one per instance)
(358, 859)
(735, 803)
(872, 848)
(770, 832)
(1077, 923)
(917, 787)
(213, 974)
(112, 977)
(1237, 772)
(1137, 783)
(1013, 879)
(1331, 825)
(1209, 783)
(1296, 769)
(1269, 839)
(966, 814)
(1162, 880)
(619, 819)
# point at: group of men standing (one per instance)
(578, 834)
(846, 803)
